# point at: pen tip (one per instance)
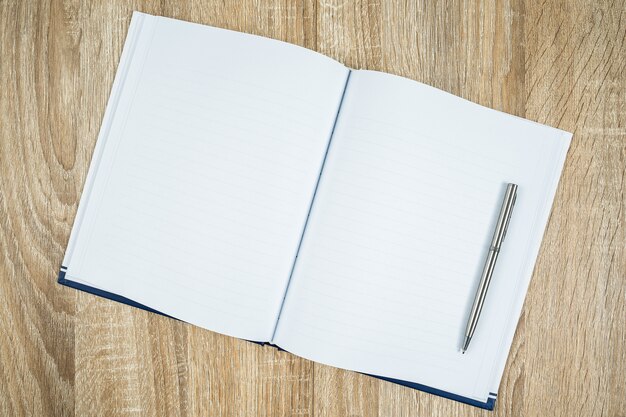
(466, 343)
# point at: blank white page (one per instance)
(203, 173)
(400, 228)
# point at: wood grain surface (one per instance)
(65, 353)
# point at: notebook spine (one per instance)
(306, 222)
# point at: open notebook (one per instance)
(264, 191)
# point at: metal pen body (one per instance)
(490, 263)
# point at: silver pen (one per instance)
(490, 262)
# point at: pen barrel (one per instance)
(490, 263)
(481, 291)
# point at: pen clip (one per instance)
(508, 219)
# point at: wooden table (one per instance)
(63, 352)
